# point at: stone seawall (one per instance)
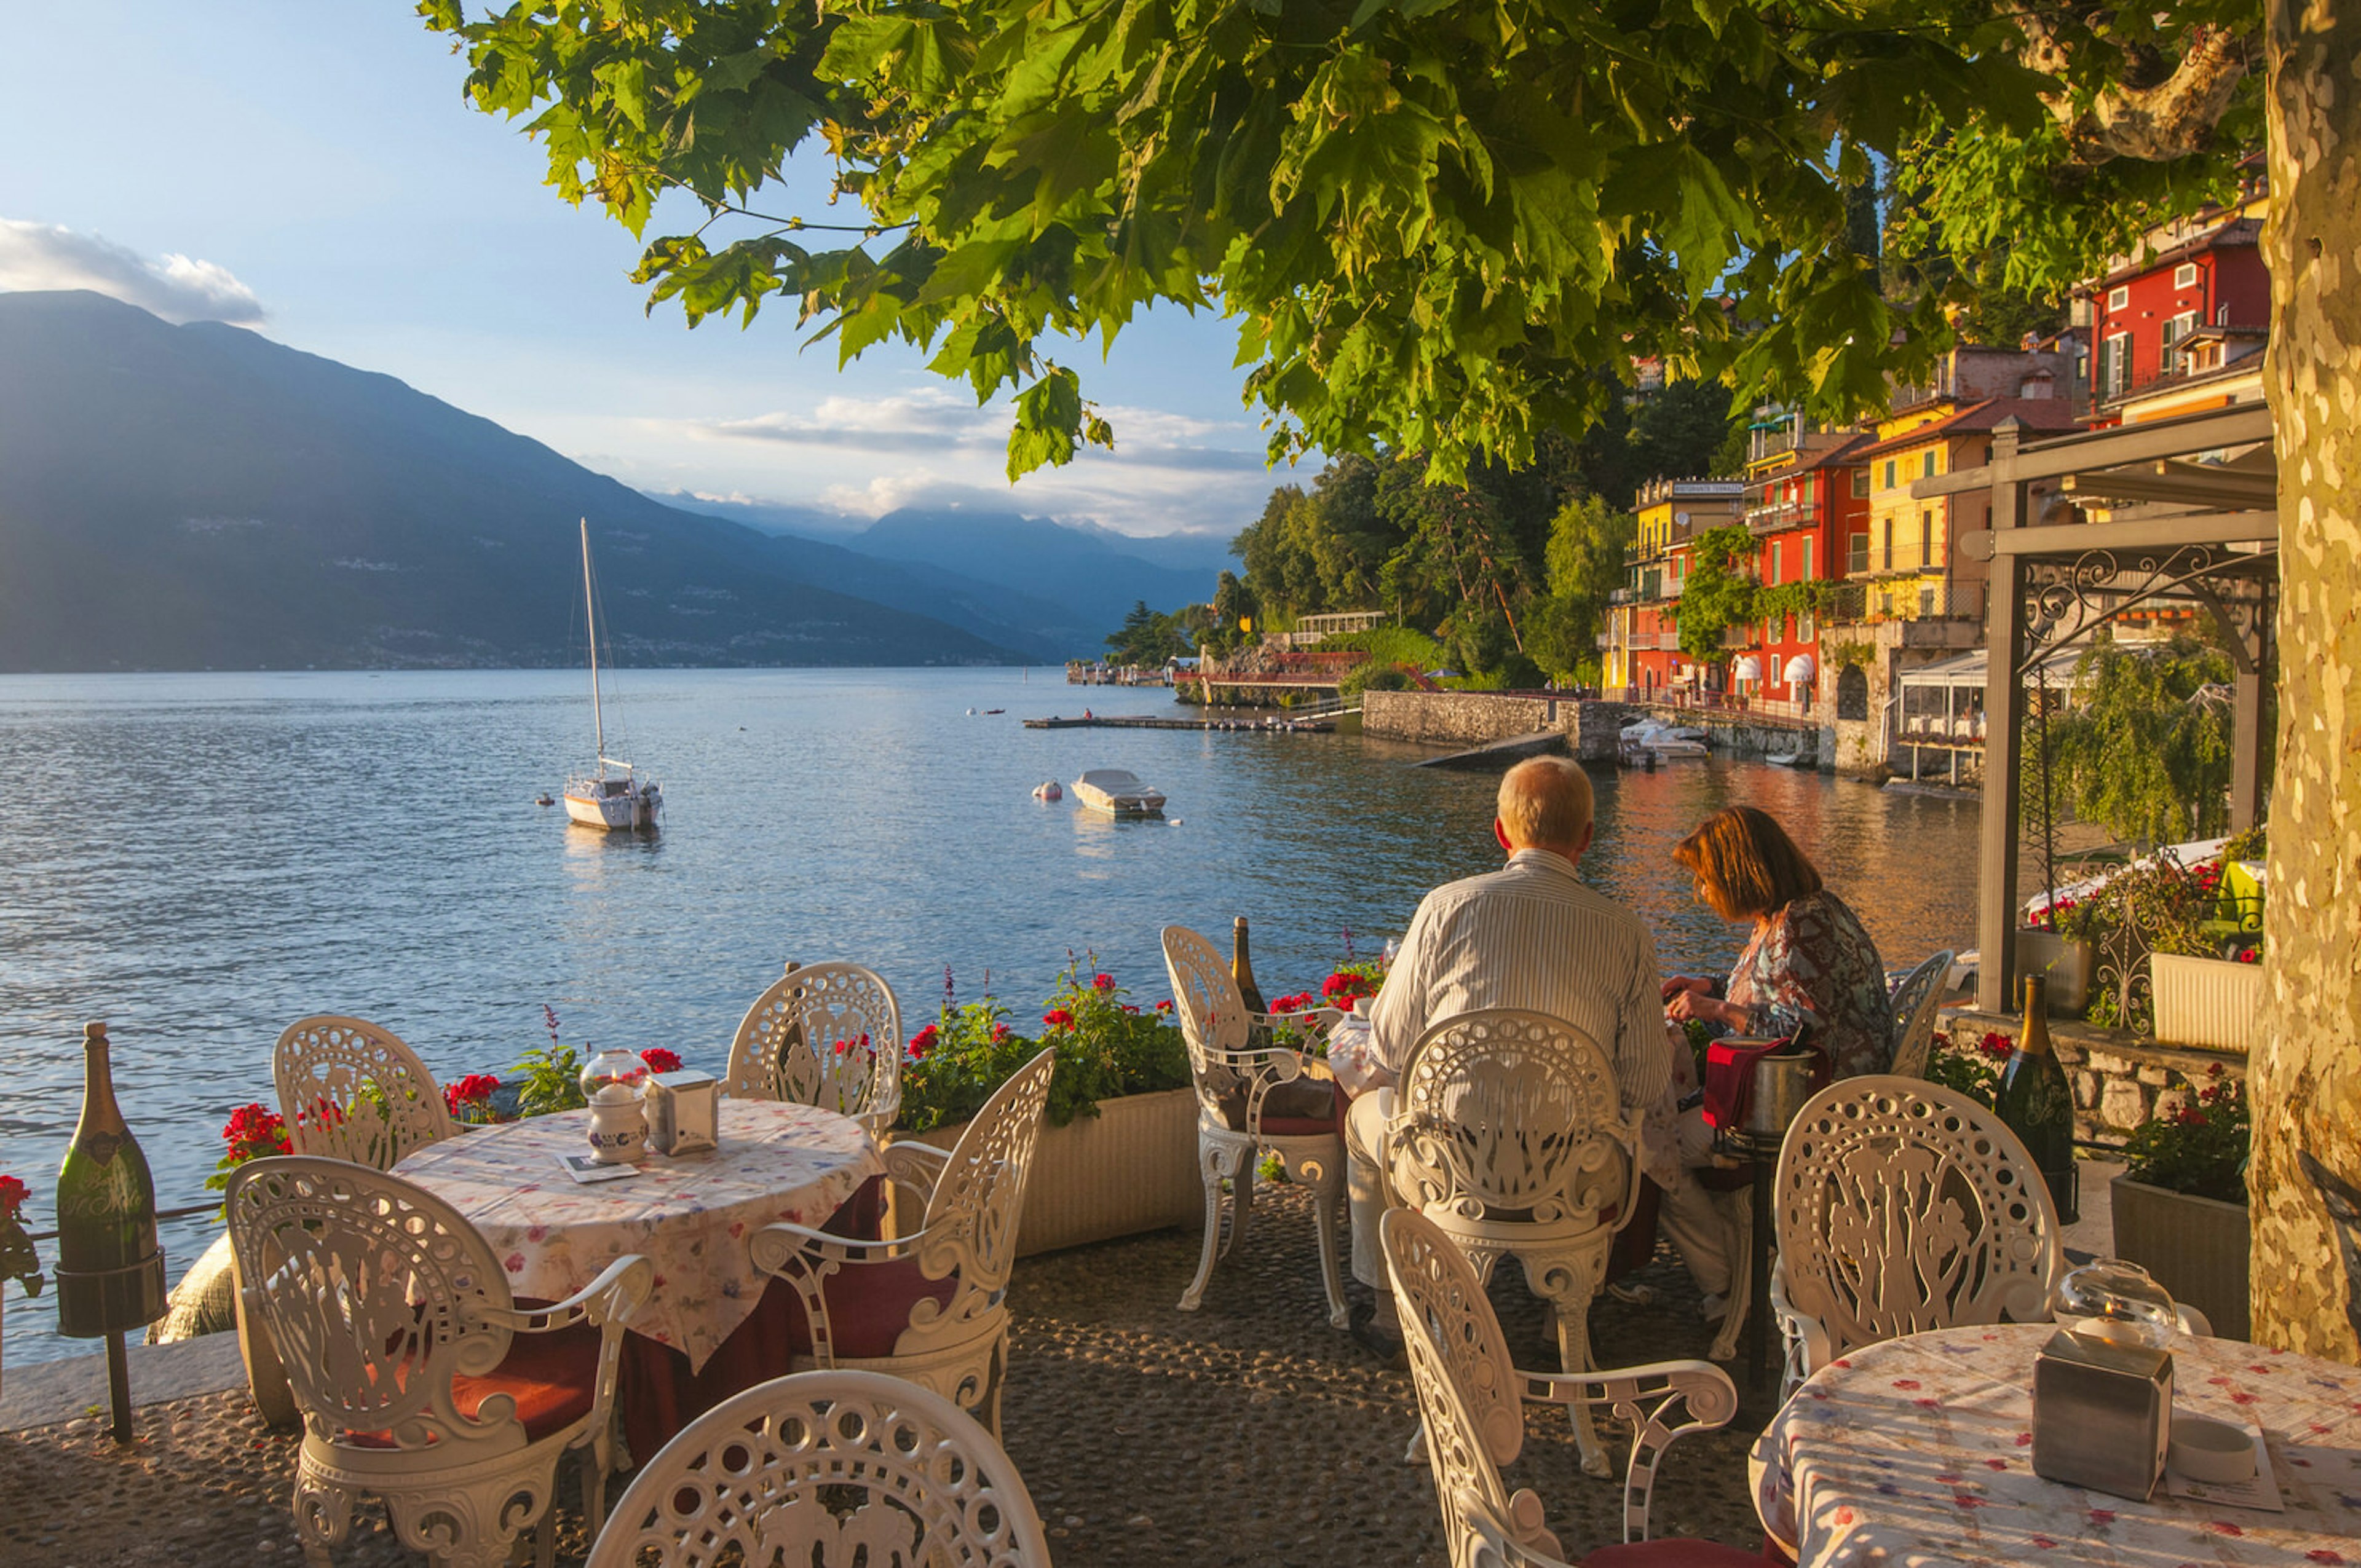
(2120, 1080)
(1478, 719)
(1459, 718)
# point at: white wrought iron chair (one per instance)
(1471, 1398)
(930, 1306)
(1915, 1002)
(351, 1090)
(419, 1380)
(1236, 1122)
(827, 1463)
(828, 1035)
(1901, 1206)
(1509, 1132)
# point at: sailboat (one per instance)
(599, 799)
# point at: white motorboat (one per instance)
(1048, 790)
(599, 799)
(1118, 793)
(1652, 739)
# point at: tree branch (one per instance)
(2173, 118)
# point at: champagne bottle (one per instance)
(110, 1270)
(2037, 1104)
(1242, 969)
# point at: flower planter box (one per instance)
(2067, 963)
(2204, 1002)
(1132, 1168)
(2196, 1249)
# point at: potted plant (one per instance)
(2200, 997)
(256, 1131)
(1118, 1154)
(2180, 1207)
(18, 1261)
(2057, 942)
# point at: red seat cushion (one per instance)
(1675, 1553)
(552, 1378)
(869, 1305)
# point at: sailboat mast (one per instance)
(590, 613)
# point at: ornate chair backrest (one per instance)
(373, 1292)
(1504, 1111)
(1901, 1206)
(351, 1090)
(1914, 1003)
(1213, 1018)
(1472, 1398)
(979, 1197)
(1468, 1389)
(822, 1465)
(828, 1035)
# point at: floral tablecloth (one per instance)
(690, 1215)
(1920, 1450)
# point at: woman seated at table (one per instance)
(1809, 959)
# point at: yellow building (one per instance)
(1904, 558)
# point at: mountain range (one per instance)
(202, 497)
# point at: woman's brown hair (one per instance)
(1744, 863)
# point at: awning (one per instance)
(1970, 669)
(1748, 668)
(1801, 668)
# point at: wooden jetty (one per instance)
(1149, 721)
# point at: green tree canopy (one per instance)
(2143, 746)
(1432, 223)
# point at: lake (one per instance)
(202, 859)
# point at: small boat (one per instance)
(1048, 790)
(599, 799)
(1791, 759)
(544, 798)
(990, 711)
(1651, 741)
(1118, 793)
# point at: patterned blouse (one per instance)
(1813, 960)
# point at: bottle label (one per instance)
(101, 1147)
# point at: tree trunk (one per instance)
(2306, 1071)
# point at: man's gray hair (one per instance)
(1546, 802)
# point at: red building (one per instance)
(1805, 498)
(2180, 329)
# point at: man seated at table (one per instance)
(1532, 936)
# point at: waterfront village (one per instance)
(1827, 597)
(1465, 1251)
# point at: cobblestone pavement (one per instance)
(1247, 1432)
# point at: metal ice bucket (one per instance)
(1782, 1083)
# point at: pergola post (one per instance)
(2003, 694)
(2247, 763)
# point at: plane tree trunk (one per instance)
(2306, 1070)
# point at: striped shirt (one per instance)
(1531, 935)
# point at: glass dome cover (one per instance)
(614, 1074)
(2113, 1299)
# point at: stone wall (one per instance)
(2119, 1079)
(1461, 718)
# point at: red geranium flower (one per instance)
(660, 1060)
(13, 1194)
(1058, 1018)
(1165, 1006)
(1999, 1045)
(1102, 982)
(999, 1033)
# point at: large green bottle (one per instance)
(2038, 1105)
(110, 1270)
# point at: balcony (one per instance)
(1621, 596)
(1774, 518)
(1740, 637)
(1868, 603)
(1607, 642)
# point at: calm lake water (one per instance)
(199, 859)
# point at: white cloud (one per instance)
(177, 287)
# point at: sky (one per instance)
(309, 170)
